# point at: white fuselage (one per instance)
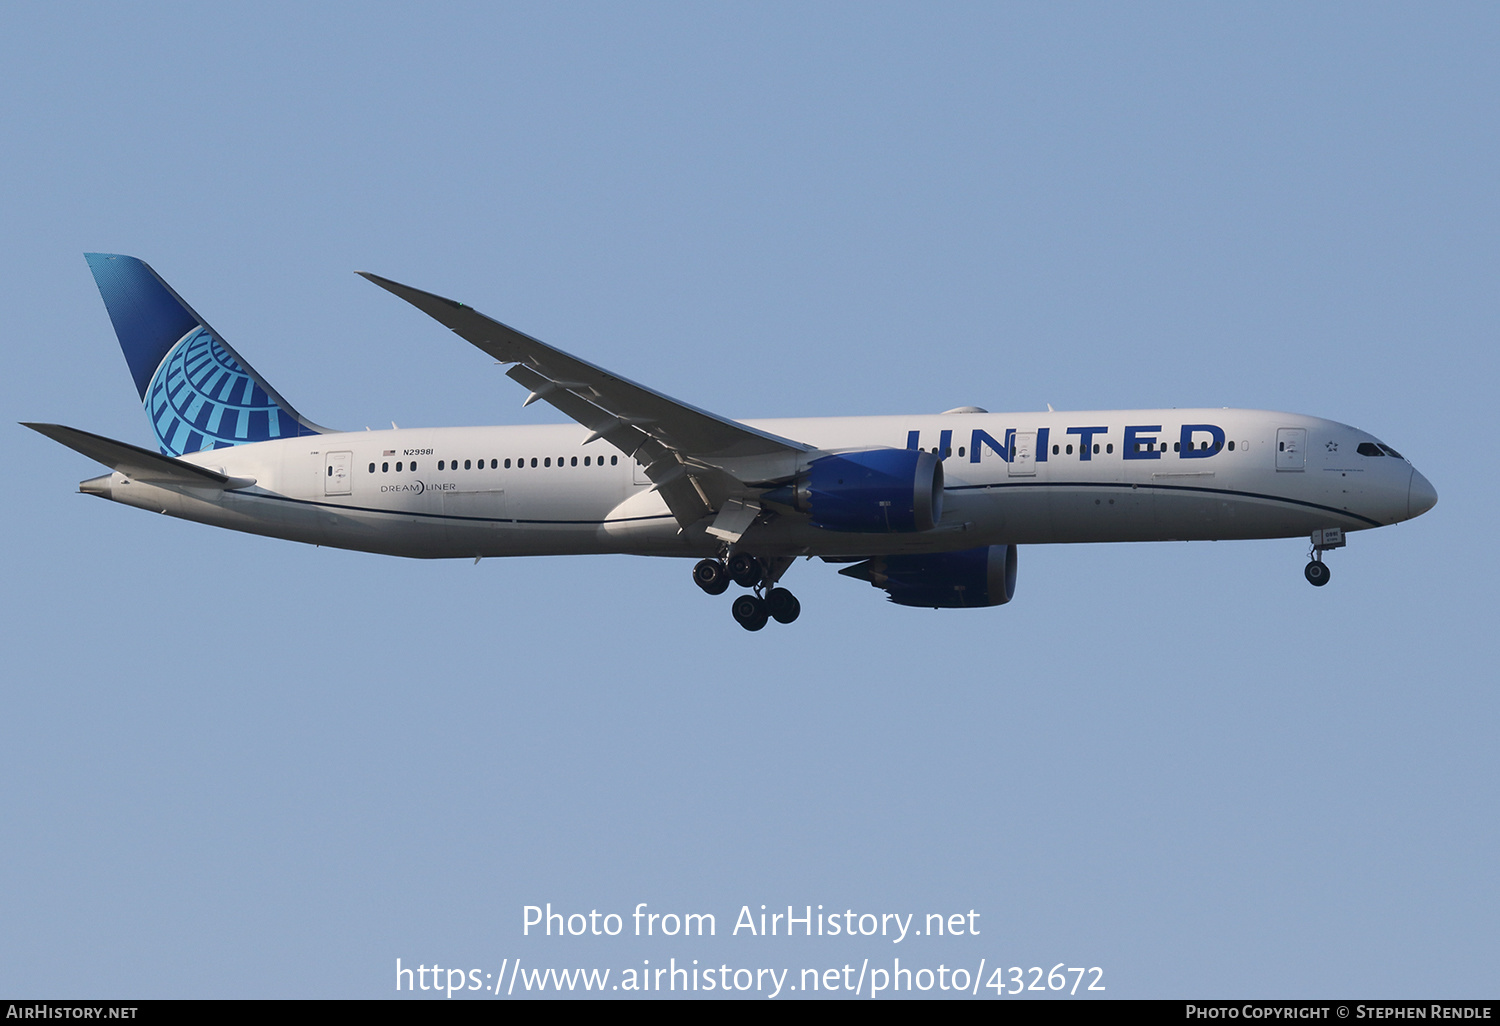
(1035, 478)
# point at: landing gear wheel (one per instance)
(750, 612)
(711, 576)
(744, 570)
(1316, 573)
(783, 605)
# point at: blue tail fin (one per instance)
(198, 392)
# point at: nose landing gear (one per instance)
(768, 602)
(1316, 571)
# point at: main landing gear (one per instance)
(1316, 571)
(767, 603)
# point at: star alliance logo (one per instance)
(1333, 447)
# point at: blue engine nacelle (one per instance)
(880, 490)
(944, 580)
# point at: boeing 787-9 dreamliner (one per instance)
(929, 508)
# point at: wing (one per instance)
(698, 460)
(136, 463)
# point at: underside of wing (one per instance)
(696, 459)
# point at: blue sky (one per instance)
(243, 767)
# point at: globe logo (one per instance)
(201, 398)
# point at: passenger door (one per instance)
(1291, 448)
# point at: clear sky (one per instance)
(235, 766)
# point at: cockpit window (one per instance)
(1369, 449)
(1391, 452)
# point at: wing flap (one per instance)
(617, 431)
(687, 503)
(734, 519)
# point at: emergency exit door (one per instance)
(336, 468)
(1023, 454)
(1291, 448)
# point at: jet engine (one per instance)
(944, 580)
(876, 491)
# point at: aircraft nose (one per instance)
(1421, 496)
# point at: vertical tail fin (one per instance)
(198, 392)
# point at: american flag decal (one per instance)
(389, 452)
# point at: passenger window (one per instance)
(575, 461)
(1281, 447)
(372, 468)
(586, 460)
(1231, 447)
(466, 464)
(614, 460)
(507, 464)
(533, 461)
(441, 464)
(330, 471)
(385, 468)
(960, 450)
(398, 468)
(1070, 450)
(547, 462)
(1109, 448)
(1176, 446)
(414, 464)
(1054, 450)
(1096, 448)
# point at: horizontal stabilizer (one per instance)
(136, 463)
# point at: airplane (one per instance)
(928, 508)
